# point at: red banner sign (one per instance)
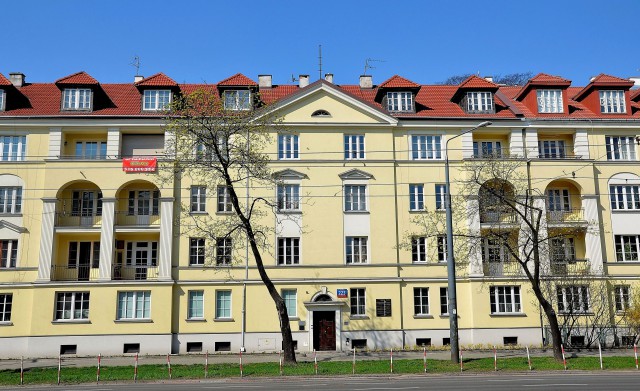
(139, 164)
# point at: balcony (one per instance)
(66, 219)
(502, 269)
(74, 273)
(566, 216)
(131, 220)
(498, 217)
(570, 267)
(134, 273)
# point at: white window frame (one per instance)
(156, 100)
(626, 246)
(143, 202)
(195, 304)
(13, 148)
(416, 197)
(620, 147)
(10, 199)
(354, 147)
(400, 101)
(198, 199)
(558, 200)
(483, 149)
(612, 102)
(480, 102)
(624, 197)
(139, 303)
(290, 297)
(444, 300)
(100, 150)
(505, 300)
(426, 146)
(355, 198)
(197, 251)
(77, 99)
(288, 197)
(8, 253)
(73, 260)
(492, 248)
(152, 249)
(2, 100)
(552, 149)
(565, 295)
(421, 301)
(86, 203)
(562, 250)
(419, 249)
(356, 250)
(224, 247)
(288, 147)
(223, 304)
(441, 243)
(76, 302)
(358, 302)
(288, 251)
(622, 297)
(550, 101)
(441, 196)
(223, 201)
(6, 304)
(237, 100)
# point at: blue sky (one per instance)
(426, 41)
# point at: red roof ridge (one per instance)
(547, 78)
(237, 80)
(159, 79)
(81, 77)
(4, 81)
(474, 81)
(398, 81)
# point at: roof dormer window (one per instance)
(550, 101)
(612, 101)
(76, 99)
(2, 100)
(480, 102)
(155, 100)
(400, 101)
(237, 100)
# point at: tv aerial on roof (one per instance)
(367, 64)
(136, 63)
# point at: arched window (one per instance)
(321, 113)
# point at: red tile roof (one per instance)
(80, 78)
(603, 80)
(237, 80)
(543, 78)
(396, 81)
(4, 81)
(635, 95)
(157, 80)
(474, 81)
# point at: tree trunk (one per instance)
(550, 313)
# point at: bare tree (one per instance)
(509, 79)
(456, 79)
(226, 148)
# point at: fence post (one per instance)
(280, 360)
(315, 361)
(600, 354)
(529, 359)
(564, 359)
(424, 359)
(353, 366)
(206, 364)
(461, 362)
(241, 371)
(391, 362)
(495, 359)
(635, 353)
(135, 369)
(98, 370)
(59, 366)
(169, 366)
(21, 370)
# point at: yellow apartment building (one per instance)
(93, 260)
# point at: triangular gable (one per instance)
(79, 78)
(289, 174)
(157, 80)
(237, 80)
(606, 81)
(476, 82)
(11, 226)
(543, 79)
(355, 174)
(396, 81)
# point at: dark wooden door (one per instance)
(327, 334)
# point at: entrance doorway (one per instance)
(324, 330)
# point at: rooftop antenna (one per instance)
(293, 78)
(367, 64)
(319, 61)
(136, 63)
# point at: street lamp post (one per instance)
(451, 264)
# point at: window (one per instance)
(288, 251)
(505, 299)
(550, 101)
(479, 102)
(134, 305)
(624, 197)
(426, 147)
(487, 149)
(420, 301)
(196, 251)
(416, 197)
(355, 198)
(321, 113)
(142, 254)
(91, 150)
(356, 249)
(10, 200)
(237, 100)
(72, 305)
(442, 248)
(399, 101)
(83, 255)
(290, 297)
(358, 302)
(612, 101)
(143, 203)
(551, 149)
(224, 200)
(198, 199)
(444, 301)
(288, 197)
(441, 194)
(354, 147)
(87, 203)
(2, 98)
(12, 148)
(8, 253)
(558, 200)
(627, 248)
(419, 249)
(620, 148)
(195, 308)
(622, 298)
(223, 304)
(76, 99)
(223, 251)
(574, 298)
(383, 308)
(5, 307)
(157, 99)
(288, 146)
(563, 250)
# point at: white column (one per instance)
(106, 238)
(531, 139)
(581, 144)
(516, 147)
(113, 143)
(166, 238)
(55, 143)
(46, 238)
(475, 251)
(467, 145)
(592, 236)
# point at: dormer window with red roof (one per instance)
(155, 100)
(612, 101)
(399, 101)
(550, 101)
(480, 102)
(237, 100)
(76, 99)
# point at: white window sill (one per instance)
(18, 214)
(133, 321)
(71, 321)
(293, 318)
(224, 213)
(417, 210)
(204, 213)
(356, 212)
(289, 211)
(357, 263)
(507, 314)
(358, 317)
(6, 324)
(224, 320)
(425, 316)
(195, 320)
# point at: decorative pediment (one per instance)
(11, 226)
(289, 174)
(356, 174)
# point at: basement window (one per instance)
(131, 348)
(194, 347)
(446, 341)
(506, 341)
(68, 349)
(223, 346)
(422, 342)
(295, 345)
(359, 343)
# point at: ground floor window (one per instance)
(134, 305)
(72, 305)
(505, 299)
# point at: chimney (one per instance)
(489, 79)
(303, 81)
(329, 77)
(636, 81)
(264, 81)
(138, 78)
(366, 81)
(17, 79)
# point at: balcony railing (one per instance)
(141, 272)
(570, 267)
(66, 219)
(566, 153)
(565, 216)
(502, 269)
(500, 153)
(498, 217)
(74, 273)
(125, 218)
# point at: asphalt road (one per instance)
(565, 381)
